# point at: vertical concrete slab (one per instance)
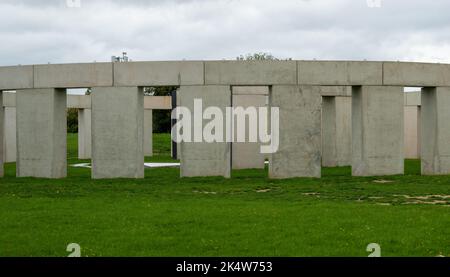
(247, 155)
(41, 133)
(203, 158)
(435, 131)
(412, 123)
(299, 153)
(1, 134)
(84, 134)
(377, 128)
(336, 131)
(10, 146)
(148, 133)
(117, 132)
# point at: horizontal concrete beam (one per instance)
(170, 73)
(79, 101)
(157, 102)
(251, 90)
(336, 91)
(16, 77)
(413, 98)
(234, 73)
(250, 73)
(84, 101)
(416, 74)
(73, 75)
(340, 73)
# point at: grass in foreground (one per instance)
(248, 215)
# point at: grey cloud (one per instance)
(38, 31)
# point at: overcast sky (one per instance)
(38, 31)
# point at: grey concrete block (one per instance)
(10, 146)
(412, 132)
(79, 101)
(248, 154)
(117, 132)
(148, 133)
(435, 131)
(336, 91)
(84, 134)
(251, 90)
(299, 153)
(336, 131)
(250, 73)
(416, 74)
(340, 73)
(164, 73)
(81, 75)
(41, 133)
(16, 77)
(377, 131)
(157, 102)
(202, 158)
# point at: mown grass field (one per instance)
(248, 215)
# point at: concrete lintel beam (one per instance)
(416, 74)
(250, 73)
(16, 77)
(73, 75)
(160, 73)
(340, 73)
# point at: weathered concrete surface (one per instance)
(16, 77)
(157, 102)
(340, 73)
(435, 138)
(250, 73)
(412, 132)
(336, 131)
(73, 75)
(117, 132)
(41, 133)
(251, 90)
(79, 101)
(202, 158)
(416, 74)
(9, 99)
(84, 134)
(248, 154)
(377, 127)
(1, 134)
(299, 153)
(148, 133)
(345, 91)
(164, 73)
(9, 142)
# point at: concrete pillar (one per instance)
(1, 134)
(117, 132)
(248, 154)
(41, 133)
(435, 131)
(204, 158)
(84, 134)
(299, 153)
(10, 146)
(412, 127)
(377, 131)
(148, 133)
(336, 131)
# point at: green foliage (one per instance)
(72, 120)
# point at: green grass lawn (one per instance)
(248, 215)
